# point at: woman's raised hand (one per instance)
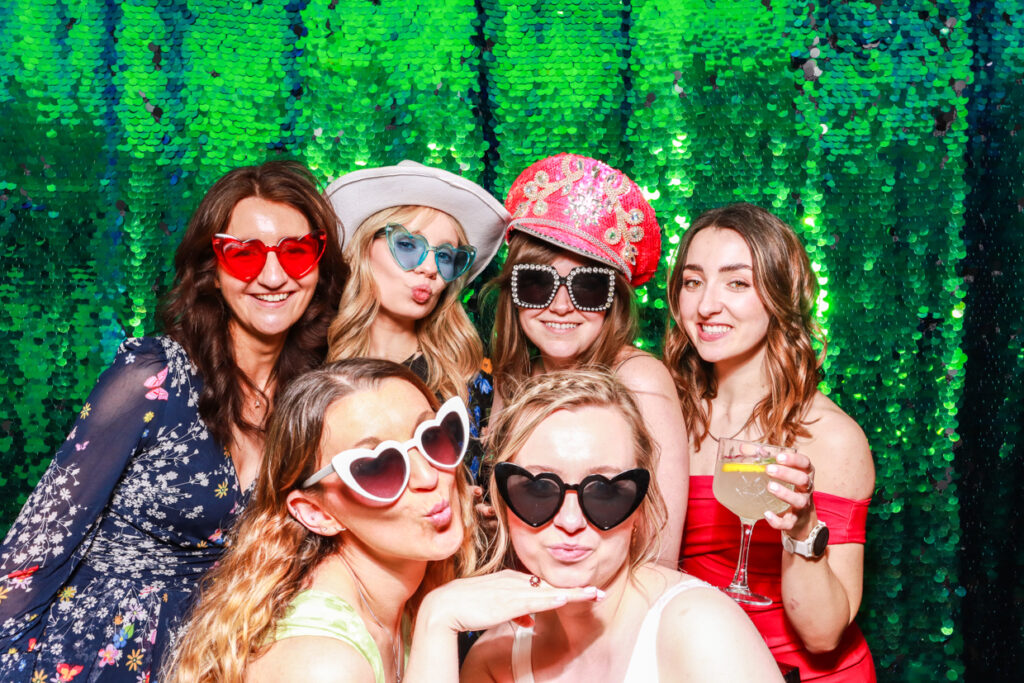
(796, 469)
(481, 602)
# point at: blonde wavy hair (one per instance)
(787, 288)
(512, 350)
(272, 555)
(537, 399)
(448, 340)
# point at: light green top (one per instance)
(316, 613)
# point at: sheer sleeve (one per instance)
(55, 526)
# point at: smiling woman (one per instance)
(582, 236)
(740, 349)
(102, 561)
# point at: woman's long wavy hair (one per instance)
(537, 399)
(513, 352)
(787, 288)
(448, 340)
(196, 316)
(272, 555)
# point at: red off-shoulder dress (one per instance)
(711, 543)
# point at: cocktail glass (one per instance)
(741, 485)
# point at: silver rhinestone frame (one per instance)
(559, 281)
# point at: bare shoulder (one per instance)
(839, 450)
(490, 658)
(701, 631)
(643, 373)
(326, 660)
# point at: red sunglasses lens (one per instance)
(382, 476)
(245, 260)
(299, 256)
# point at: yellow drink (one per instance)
(743, 488)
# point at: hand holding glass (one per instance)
(741, 485)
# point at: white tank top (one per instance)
(643, 663)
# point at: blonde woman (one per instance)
(581, 238)
(357, 513)
(414, 236)
(741, 296)
(578, 506)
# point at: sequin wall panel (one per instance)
(848, 119)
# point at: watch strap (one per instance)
(805, 548)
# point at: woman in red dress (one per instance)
(741, 295)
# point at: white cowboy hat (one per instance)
(358, 195)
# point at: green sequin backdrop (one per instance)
(886, 132)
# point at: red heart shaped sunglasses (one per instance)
(244, 260)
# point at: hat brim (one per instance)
(580, 244)
(358, 195)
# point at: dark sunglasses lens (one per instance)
(609, 503)
(299, 256)
(535, 501)
(444, 443)
(381, 476)
(590, 290)
(243, 260)
(407, 249)
(534, 286)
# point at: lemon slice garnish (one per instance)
(742, 467)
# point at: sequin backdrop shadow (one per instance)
(885, 132)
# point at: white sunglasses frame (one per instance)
(340, 462)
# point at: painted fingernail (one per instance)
(773, 487)
(772, 469)
(782, 457)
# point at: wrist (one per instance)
(432, 615)
(812, 546)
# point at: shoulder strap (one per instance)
(522, 654)
(643, 663)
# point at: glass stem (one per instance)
(739, 579)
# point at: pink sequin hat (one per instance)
(586, 206)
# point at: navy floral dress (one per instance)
(99, 567)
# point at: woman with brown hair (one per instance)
(581, 238)
(415, 236)
(741, 296)
(99, 566)
(357, 514)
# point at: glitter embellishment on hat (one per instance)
(590, 208)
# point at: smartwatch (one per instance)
(812, 547)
